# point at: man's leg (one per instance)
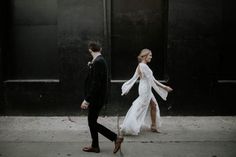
(96, 127)
(92, 122)
(106, 132)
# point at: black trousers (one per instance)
(95, 128)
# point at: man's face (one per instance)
(90, 51)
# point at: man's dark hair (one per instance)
(95, 46)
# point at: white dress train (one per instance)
(138, 116)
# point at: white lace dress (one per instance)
(138, 116)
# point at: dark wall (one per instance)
(1, 49)
(32, 40)
(199, 58)
(46, 54)
(133, 28)
(193, 53)
(78, 22)
(227, 61)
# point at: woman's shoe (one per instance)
(154, 129)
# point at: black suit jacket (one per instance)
(96, 82)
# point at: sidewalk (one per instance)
(61, 137)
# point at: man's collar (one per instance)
(96, 55)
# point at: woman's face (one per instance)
(149, 57)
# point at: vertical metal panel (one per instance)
(227, 62)
(135, 26)
(194, 49)
(78, 22)
(32, 46)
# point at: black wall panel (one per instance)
(43, 53)
(32, 40)
(135, 26)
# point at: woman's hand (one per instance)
(125, 93)
(168, 89)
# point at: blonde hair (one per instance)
(143, 54)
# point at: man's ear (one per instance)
(100, 49)
(90, 50)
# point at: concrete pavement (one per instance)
(63, 137)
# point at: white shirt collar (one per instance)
(96, 55)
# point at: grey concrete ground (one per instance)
(61, 137)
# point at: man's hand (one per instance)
(84, 105)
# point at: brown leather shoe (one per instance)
(118, 142)
(91, 149)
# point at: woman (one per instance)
(144, 112)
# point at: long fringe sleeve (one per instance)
(129, 84)
(153, 82)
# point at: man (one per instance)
(95, 94)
